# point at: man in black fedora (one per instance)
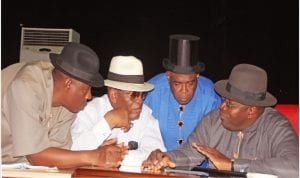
(181, 96)
(245, 134)
(39, 101)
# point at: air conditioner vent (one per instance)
(37, 43)
(46, 37)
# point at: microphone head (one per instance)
(132, 145)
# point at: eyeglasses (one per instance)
(135, 94)
(230, 104)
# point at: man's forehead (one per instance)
(182, 77)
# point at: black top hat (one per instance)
(183, 55)
(80, 62)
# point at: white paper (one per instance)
(27, 166)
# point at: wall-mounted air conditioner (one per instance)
(37, 43)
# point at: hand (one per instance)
(118, 118)
(113, 141)
(110, 154)
(218, 159)
(157, 160)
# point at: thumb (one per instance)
(167, 162)
(109, 142)
(171, 164)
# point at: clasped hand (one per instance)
(110, 154)
(158, 160)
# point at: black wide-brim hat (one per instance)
(80, 62)
(183, 55)
(247, 84)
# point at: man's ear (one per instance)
(67, 83)
(168, 74)
(253, 111)
(112, 95)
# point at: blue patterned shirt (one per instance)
(165, 108)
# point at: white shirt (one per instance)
(90, 129)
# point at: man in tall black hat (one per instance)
(39, 101)
(245, 134)
(181, 96)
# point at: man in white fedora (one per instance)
(125, 89)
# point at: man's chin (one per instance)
(76, 110)
(135, 117)
(228, 127)
(184, 102)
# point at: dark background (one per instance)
(263, 33)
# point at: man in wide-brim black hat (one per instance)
(181, 96)
(40, 101)
(245, 134)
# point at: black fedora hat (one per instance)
(183, 55)
(80, 62)
(247, 84)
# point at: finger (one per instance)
(118, 163)
(172, 164)
(152, 158)
(124, 150)
(166, 162)
(157, 167)
(197, 147)
(194, 145)
(109, 142)
(121, 145)
(149, 164)
(159, 155)
(200, 148)
(144, 165)
(206, 150)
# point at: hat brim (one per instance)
(96, 81)
(168, 65)
(220, 87)
(129, 86)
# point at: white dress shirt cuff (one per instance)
(102, 129)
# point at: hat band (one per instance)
(75, 72)
(138, 79)
(244, 94)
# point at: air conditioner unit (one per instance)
(37, 43)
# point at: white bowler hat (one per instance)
(126, 73)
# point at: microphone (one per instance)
(132, 145)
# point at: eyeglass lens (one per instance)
(135, 95)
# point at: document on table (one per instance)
(26, 170)
(26, 166)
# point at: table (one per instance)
(104, 172)
(93, 172)
(85, 172)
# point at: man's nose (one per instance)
(184, 88)
(88, 95)
(223, 106)
(139, 99)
